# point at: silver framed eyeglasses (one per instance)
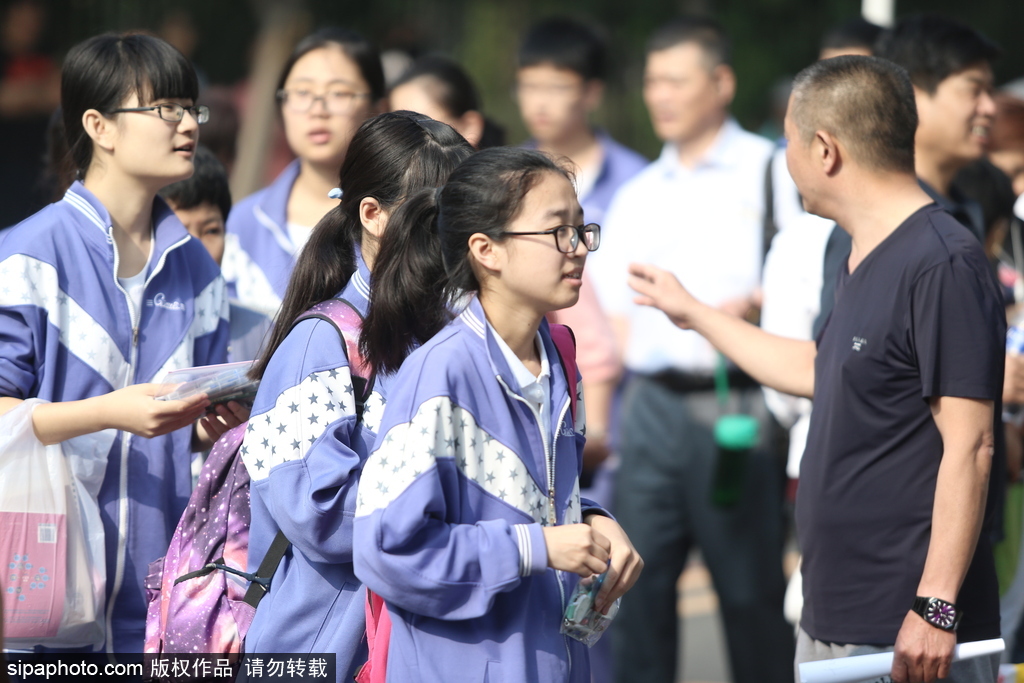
(339, 102)
(567, 237)
(171, 112)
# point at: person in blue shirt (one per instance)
(104, 292)
(305, 445)
(560, 79)
(469, 522)
(332, 82)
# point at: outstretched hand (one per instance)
(135, 409)
(660, 289)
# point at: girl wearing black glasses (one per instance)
(469, 521)
(102, 293)
(332, 82)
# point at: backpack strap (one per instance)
(261, 581)
(565, 343)
(347, 320)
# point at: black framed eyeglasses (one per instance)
(171, 112)
(567, 237)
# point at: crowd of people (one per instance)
(846, 288)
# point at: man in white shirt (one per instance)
(697, 210)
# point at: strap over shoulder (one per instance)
(565, 342)
(348, 321)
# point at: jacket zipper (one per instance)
(122, 506)
(549, 461)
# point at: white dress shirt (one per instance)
(705, 224)
(792, 298)
(535, 389)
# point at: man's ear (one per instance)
(373, 216)
(828, 152)
(593, 93)
(471, 127)
(923, 101)
(102, 130)
(486, 253)
(725, 83)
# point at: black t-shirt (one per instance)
(920, 317)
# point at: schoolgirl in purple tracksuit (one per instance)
(332, 82)
(469, 521)
(104, 290)
(305, 446)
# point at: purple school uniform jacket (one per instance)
(304, 452)
(258, 253)
(451, 507)
(68, 331)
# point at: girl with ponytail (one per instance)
(305, 446)
(469, 521)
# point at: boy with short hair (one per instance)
(562, 67)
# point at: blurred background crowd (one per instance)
(239, 47)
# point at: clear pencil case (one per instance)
(220, 383)
(581, 621)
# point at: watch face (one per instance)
(942, 614)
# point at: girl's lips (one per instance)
(319, 137)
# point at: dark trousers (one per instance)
(663, 501)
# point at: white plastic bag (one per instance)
(51, 542)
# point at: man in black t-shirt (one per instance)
(906, 378)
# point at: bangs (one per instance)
(155, 70)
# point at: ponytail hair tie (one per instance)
(335, 193)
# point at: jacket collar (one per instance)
(274, 202)
(358, 289)
(475, 320)
(168, 231)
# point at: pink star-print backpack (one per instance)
(200, 596)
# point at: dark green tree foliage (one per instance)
(773, 39)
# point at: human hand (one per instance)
(576, 548)
(135, 409)
(217, 421)
(923, 652)
(660, 289)
(626, 563)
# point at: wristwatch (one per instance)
(938, 612)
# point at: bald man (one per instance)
(906, 378)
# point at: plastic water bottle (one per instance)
(735, 436)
